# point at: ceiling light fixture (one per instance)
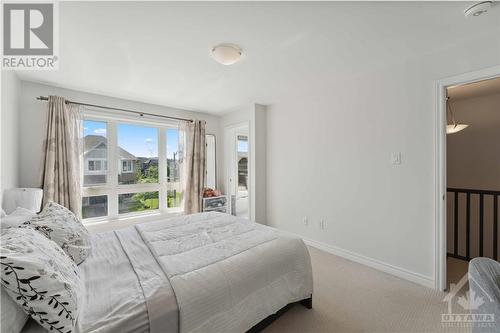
(226, 54)
(478, 8)
(454, 127)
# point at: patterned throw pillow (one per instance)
(59, 224)
(41, 278)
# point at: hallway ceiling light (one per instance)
(454, 127)
(226, 54)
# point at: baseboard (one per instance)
(373, 263)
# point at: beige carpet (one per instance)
(349, 297)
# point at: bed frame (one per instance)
(306, 302)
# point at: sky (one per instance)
(140, 141)
(243, 146)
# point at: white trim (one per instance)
(112, 168)
(162, 170)
(440, 165)
(399, 272)
(135, 217)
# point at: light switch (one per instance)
(396, 158)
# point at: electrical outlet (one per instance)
(306, 220)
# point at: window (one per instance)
(95, 206)
(242, 163)
(138, 152)
(97, 165)
(210, 165)
(136, 202)
(146, 174)
(127, 166)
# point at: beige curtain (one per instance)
(62, 153)
(194, 166)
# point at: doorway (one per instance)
(238, 169)
(467, 222)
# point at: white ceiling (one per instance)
(476, 89)
(158, 52)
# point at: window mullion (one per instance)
(162, 168)
(112, 169)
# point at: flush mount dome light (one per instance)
(226, 54)
(478, 8)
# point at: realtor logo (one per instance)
(472, 304)
(29, 36)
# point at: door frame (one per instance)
(440, 166)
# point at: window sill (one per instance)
(125, 220)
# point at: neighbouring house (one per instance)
(147, 162)
(96, 161)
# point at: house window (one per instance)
(97, 165)
(146, 175)
(127, 166)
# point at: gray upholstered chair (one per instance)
(484, 281)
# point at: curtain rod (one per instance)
(45, 98)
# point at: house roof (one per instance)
(93, 141)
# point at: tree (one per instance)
(146, 200)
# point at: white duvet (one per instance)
(207, 272)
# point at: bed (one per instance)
(207, 272)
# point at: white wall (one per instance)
(33, 115)
(328, 157)
(260, 162)
(11, 88)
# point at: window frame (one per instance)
(112, 188)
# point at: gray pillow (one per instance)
(59, 224)
(41, 278)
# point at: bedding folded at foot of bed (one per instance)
(228, 273)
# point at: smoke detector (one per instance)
(478, 8)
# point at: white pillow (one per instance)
(13, 316)
(39, 276)
(62, 226)
(30, 198)
(17, 218)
